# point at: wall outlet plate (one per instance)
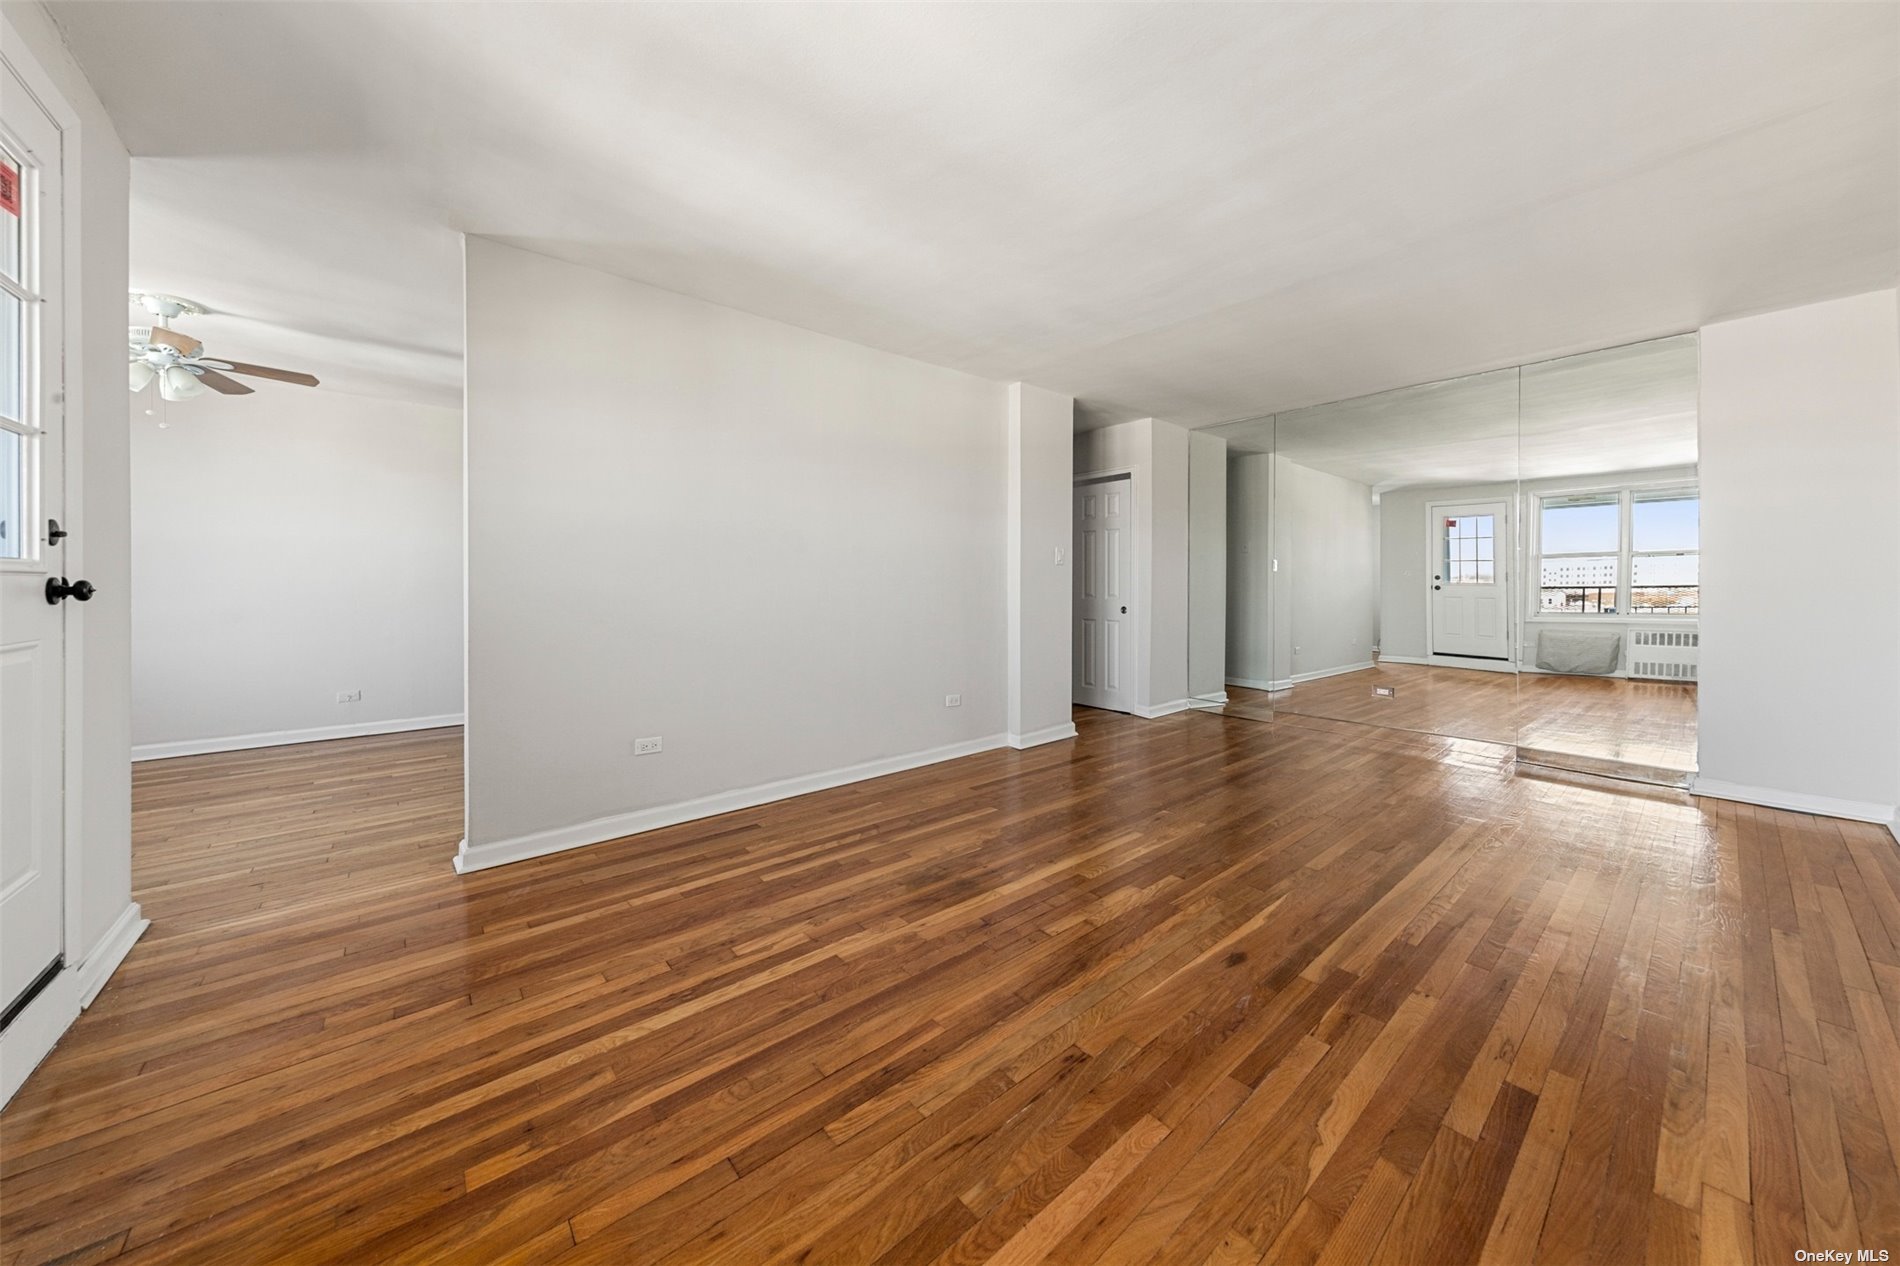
(953, 701)
(646, 746)
(349, 696)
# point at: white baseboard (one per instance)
(109, 951)
(1215, 700)
(1036, 738)
(285, 738)
(1453, 661)
(1795, 801)
(1250, 683)
(37, 1030)
(473, 857)
(1153, 710)
(1330, 672)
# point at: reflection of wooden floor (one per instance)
(1643, 722)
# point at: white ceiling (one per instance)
(1193, 211)
(1620, 409)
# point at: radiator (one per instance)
(1664, 654)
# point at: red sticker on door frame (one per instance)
(9, 188)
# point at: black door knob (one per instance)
(1124, 610)
(56, 590)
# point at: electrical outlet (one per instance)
(953, 701)
(349, 696)
(646, 746)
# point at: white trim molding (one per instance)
(1795, 801)
(473, 857)
(1036, 738)
(286, 738)
(1250, 683)
(1453, 661)
(37, 1030)
(1153, 710)
(1331, 672)
(110, 950)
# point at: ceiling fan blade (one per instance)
(183, 344)
(224, 386)
(265, 371)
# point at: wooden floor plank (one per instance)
(1193, 989)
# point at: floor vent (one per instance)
(1664, 654)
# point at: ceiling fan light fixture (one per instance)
(175, 382)
(142, 375)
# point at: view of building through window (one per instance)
(1623, 552)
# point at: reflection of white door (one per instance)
(1470, 596)
(1104, 628)
(32, 631)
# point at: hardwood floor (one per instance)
(1600, 718)
(1188, 990)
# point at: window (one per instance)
(18, 433)
(1470, 542)
(1665, 553)
(1628, 552)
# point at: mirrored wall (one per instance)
(1510, 558)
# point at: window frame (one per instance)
(1626, 551)
(25, 289)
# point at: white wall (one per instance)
(1041, 523)
(101, 919)
(1329, 533)
(1155, 454)
(1800, 459)
(776, 550)
(1207, 565)
(290, 545)
(1250, 577)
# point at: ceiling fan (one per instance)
(177, 361)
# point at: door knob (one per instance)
(1124, 610)
(1438, 586)
(56, 590)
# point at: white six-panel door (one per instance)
(32, 640)
(1105, 648)
(1470, 584)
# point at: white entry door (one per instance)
(32, 629)
(1470, 593)
(1104, 655)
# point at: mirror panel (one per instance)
(1395, 522)
(1612, 505)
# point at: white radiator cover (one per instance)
(1664, 654)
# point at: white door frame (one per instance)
(46, 1018)
(1504, 549)
(1138, 679)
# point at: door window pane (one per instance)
(1578, 586)
(1470, 542)
(12, 495)
(1665, 521)
(12, 201)
(12, 358)
(1580, 525)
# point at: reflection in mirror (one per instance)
(1249, 611)
(1611, 503)
(1389, 586)
(1207, 570)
